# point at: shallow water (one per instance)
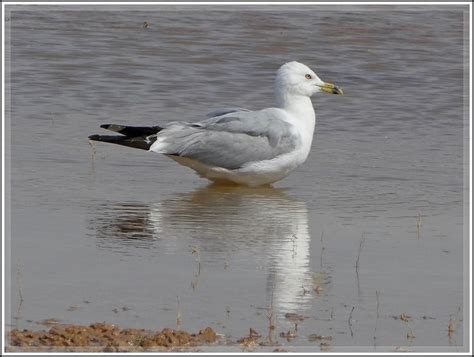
(370, 228)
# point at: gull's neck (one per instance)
(301, 114)
(299, 106)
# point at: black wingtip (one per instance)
(132, 131)
(134, 142)
(113, 127)
(107, 138)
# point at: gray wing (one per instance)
(230, 141)
(223, 111)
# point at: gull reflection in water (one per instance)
(260, 226)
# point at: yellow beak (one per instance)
(331, 89)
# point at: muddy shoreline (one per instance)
(103, 337)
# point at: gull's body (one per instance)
(245, 147)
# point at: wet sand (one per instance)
(102, 337)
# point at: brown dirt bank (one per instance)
(102, 337)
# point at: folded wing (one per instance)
(229, 141)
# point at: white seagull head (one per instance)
(298, 79)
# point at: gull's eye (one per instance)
(308, 76)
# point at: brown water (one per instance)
(370, 228)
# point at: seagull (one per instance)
(236, 145)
